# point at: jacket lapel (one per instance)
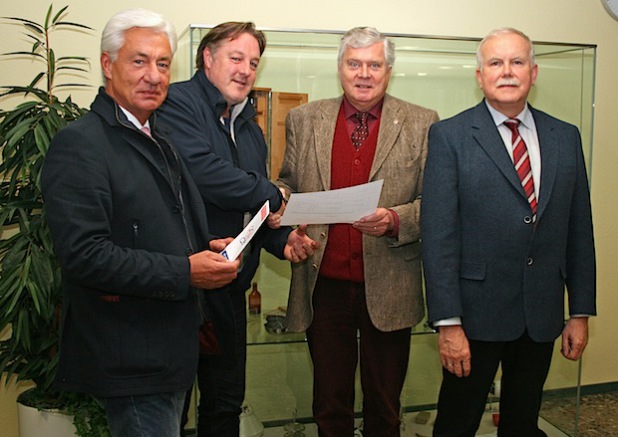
(141, 146)
(324, 124)
(550, 149)
(486, 134)
(391, 121)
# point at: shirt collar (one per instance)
(238, 108)
(349, 110)
(133, 119)
(525, 116)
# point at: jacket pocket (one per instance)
(136, 343)
(135, 228)
(472, 271)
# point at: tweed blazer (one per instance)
(392, 265)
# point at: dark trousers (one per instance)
(340, 313)
(221, 381)
(525, 365)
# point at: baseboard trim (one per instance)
(591, 389)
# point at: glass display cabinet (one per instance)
(435, 72)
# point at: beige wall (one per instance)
(574, 21)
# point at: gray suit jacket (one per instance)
(392, 265)
(484, 259)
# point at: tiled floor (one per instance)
(598, 418)
(412, 429)
(598, 415)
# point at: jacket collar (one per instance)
(215, 99)
(107, 108)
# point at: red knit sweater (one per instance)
(343, 255)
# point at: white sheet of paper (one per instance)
(235, 248)
(344, 205)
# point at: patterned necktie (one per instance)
(522, 163)
(361, 132)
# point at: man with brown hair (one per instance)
(212, 125)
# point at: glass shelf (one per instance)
(257, 334)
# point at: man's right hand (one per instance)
(274, 218)
(454, 350)
(209, 270)
(299, 246)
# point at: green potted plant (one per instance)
(30, 290)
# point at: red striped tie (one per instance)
(522, 163)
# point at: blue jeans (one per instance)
(156, 415)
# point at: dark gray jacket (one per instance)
(485, 260)
(122, 234)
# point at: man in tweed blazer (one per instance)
(366, 277)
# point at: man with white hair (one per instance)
(360, 292)
(506, 225)
(130, 233)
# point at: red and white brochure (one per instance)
(235, 248)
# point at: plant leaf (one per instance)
(49, 11)
(36, 28)
(59, 14)
(26, 22)
(36, 79)
(68, 23)
(72, 85)
(38, 55)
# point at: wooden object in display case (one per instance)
(271, 109)
(259, 97)
(281, 103)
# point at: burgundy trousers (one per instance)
(340, 333)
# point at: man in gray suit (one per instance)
(506, 222)
(365, 278)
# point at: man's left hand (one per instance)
(219, 244)
(575, 338)
(377, 224)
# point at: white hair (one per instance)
(502, 31)
(113, 35)
(361, 37)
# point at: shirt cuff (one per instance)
(395, 232)
(452, 321)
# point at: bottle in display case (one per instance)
(255, 300)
